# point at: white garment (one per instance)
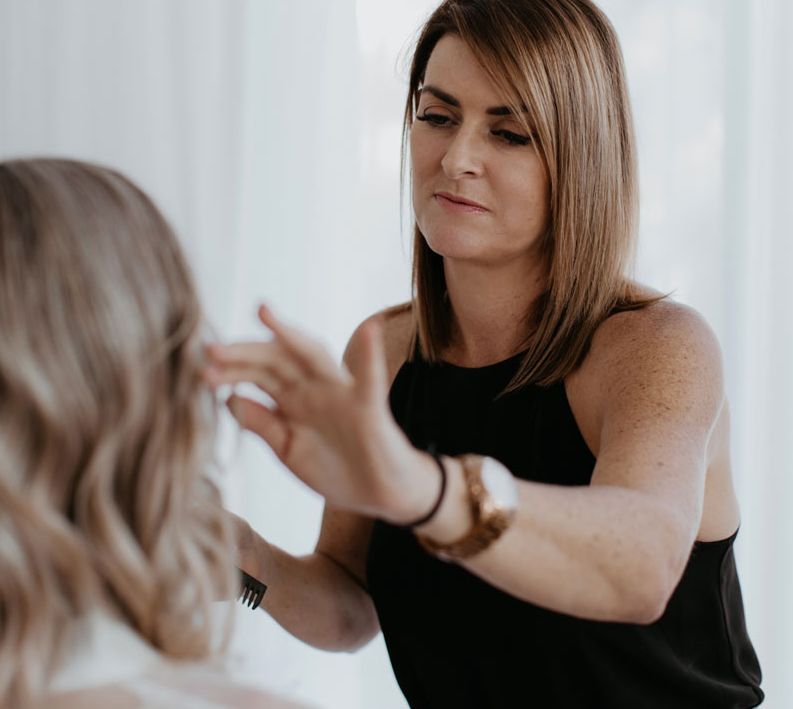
(107, 654)
(106, 651)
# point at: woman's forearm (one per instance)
(314, 598)
(597, 552)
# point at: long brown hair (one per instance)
(106, 429)
(561, 60)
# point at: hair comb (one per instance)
(252, 590)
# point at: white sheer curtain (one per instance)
(757, 277)
(269, 133)
(712, 90)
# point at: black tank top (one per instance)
(456, 641)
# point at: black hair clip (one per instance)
(252, 590)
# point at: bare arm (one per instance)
(320, 598)
(615, 550)
(612, 550)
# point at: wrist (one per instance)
(258, 559)
(416, 491)
(491, 498)
(453, 518)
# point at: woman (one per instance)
(113, 543)
(567, 540)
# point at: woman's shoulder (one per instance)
(665, 334)
(661, 353)
(663, 324)
(397, 326)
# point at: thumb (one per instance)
(258, 419)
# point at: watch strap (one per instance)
(489, 520)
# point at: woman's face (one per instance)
(466, 145)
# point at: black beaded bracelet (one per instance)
(427, 517)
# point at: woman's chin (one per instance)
(456, 246)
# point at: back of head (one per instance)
(105, 425)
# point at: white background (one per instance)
(269, 133)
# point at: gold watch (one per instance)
(493, 498)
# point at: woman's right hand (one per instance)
(330, 425)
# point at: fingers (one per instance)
(262, 377)
(265, 364)
(268, 425)
(271, 355)
(290, 356)
(311, 354)
(289, 398)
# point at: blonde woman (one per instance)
(113, 545)
(526, 468)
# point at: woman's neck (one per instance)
(491, 309)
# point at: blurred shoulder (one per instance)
(92, 698)
(397, 326)
(175, 694)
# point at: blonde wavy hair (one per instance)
(106, 429)
(559, 65)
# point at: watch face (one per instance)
(500, 484)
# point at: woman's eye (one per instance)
(512, 138)
(435, 119)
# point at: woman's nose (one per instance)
(463, 155)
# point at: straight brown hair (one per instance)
(561, 60)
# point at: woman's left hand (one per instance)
(330, 426)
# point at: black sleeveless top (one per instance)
(456, 641)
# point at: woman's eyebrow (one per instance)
(452, 101)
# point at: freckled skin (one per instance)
(641, 365)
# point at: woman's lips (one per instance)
(458, 204)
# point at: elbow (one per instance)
(360, 630)
(349, 613)
(361, 641)
(647, 609)
(348, 634)
(357, 625)
(650, 593)
(656, 574)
